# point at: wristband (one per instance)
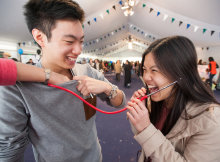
(113, 92)
(47, 75)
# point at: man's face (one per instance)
(65, 45)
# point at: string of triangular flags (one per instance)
(102, 15)
(173, 19)
(146, 35)
(151, 10)
(113, 46)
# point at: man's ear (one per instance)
(39, 37)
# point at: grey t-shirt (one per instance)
(51, 119)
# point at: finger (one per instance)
(144, 90)
(135, 107)
(132, 111)
(137, 94)
(84, 91)
(142, 105)
(130, 117)
(77, 77)
(80, 86)
(141, 92)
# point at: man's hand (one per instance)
(89, 85)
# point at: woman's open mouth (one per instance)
(152, 88)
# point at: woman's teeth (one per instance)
(152, 88)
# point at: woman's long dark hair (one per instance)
(177, 59)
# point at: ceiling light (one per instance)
(130, 45)
(131, 3)
(128, 7)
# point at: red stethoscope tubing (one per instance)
(105, 112)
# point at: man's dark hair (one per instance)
(43, 14)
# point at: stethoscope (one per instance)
(106, 112)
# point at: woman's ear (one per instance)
(39, 37)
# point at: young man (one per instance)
(59, 126)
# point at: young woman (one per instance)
(181, 122)
(10, 71)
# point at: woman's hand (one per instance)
(138, 114)
(139, 93)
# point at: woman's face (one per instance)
(155, 80)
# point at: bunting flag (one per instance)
(165, 17)
(107, 11)
(114, 7)
(88, 22)
(204, 30)
(212, 32)
(151, 9)
(144, 5)
(172, 20)
(180, 23)
(187, 26)
(101, 15)
(83, 26)
(120, 2)
(196, 28)
(95, 19)
(158, 13)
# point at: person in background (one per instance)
(212, 69)
(91, 63)
(11, 71)
(6, 55)
(30, 61)
(182, 122)
(137, 68)
(127, 72)
(60, 127)
(97, 65)
(118, 70)
(200, 62)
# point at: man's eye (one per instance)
(69, 42)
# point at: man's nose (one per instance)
(77, 49)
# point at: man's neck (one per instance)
(45, 64)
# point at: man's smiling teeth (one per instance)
(71, 59)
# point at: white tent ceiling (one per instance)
(109, 34)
